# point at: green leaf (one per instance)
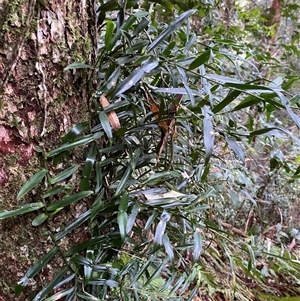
(208, 133)
(98, 205)
(197, 245)
(69, 146)
(78, 66)
(200, 60)
(64, 174)
(39, 219)
(226, 101)
(149, 64)
(247, 102)
(141, 14)
(105, 124)
(186, 86)
(293, 116)
(161, 227)
(132, 217)
(21, 210)
(129, 82)
(110, 26)
(88, 167)
(62, 293)
(141, 272)
(124, 202)
(142, 25)
(31, 183)
(122, 222)
(109, 6)
(36, 268)
(99, 177)
(295, 100)
(160, 176)
(55, 190)
(249, 87)
(69, 200)
(236, 148)
(227, 80)
(50, 286)
(129, 22)
(168, 247)
(124, 181)
(110, 83)
(75, 224)
(157, 272)
(170, 29)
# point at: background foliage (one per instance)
(190, 174)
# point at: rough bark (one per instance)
(39, 102)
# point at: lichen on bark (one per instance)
(39, 103)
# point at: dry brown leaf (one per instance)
(112, 116)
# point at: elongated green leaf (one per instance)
(75, 131)
(132, 217)
(129, 82)
(124, 202)
(225, 80)
(99, 177)
(168, 247)
(157, 271)
(160, 176)
(55, 190)
(78, 66)
(200, 60)
(253, 88)
(161, 227)
(59, 295)
(285, 102)
(69, 200)
(31, 183)
(141, 272)
(120, 18)
(50, 286)
(247, 102)
(88, 269)
(39, 219)
(232, 95)
(21, 210)
(122, 222)
(170, 29)
(186, 86)
(88, 167)
(105, 124)
(236, 148)
(64, 174)
(264, 131)
(110, 26)
(208, 133)
(197, 245)
(176, 91)
(142, 25)
(109, 6)
(118, 34)
(149, 64)
(36, 268)
(75, 224)
(110, 83)
(295, 100)
(124, 181)
(69, 146)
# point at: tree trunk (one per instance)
(39, 103)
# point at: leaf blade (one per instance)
(31, 183)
